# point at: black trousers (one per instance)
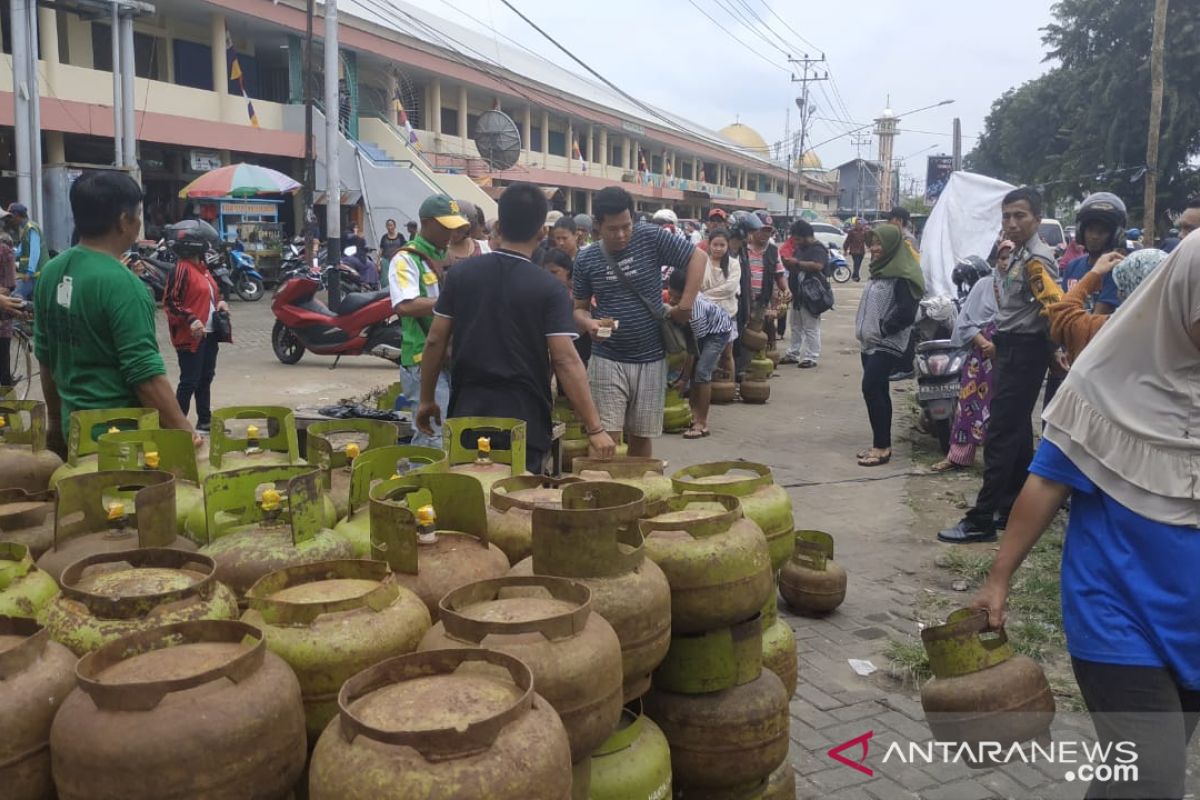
(1145, 706)
(6, 377)
(858, 259)
(878, 395)
(1018, 371)
(196, 372)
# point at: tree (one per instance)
(1083, 125)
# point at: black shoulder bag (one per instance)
(674, 339)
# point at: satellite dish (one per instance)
(498, 139)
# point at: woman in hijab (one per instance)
(974, 329)
(1122, 439)
(885, 318)
(1070, 323)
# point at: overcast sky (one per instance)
(667, 53)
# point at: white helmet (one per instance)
(664, 216)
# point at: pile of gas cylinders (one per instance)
(377, 620)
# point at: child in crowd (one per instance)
(712, 329)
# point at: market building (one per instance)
(222, 81)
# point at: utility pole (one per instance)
(310, 167)
(333, 178)
(118, 96)
(1156, 104)
(957, 144)
(860, 140)
(808, 74)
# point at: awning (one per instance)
(494, 192)
(349, 197)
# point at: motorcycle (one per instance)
(839, 270)
(152, 273)
(218, 265)
(939, 366)
(247, 281)
(363, 322)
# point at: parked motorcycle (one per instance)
(247, 281)
(364, 322)
(939, 380)
(218, 265)
(839, 270)
(152, 273)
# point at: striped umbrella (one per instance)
(239, 180)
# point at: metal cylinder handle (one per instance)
(958, 647)
(502, 498)
(595, 533)
(18, 659)
(739, 485)
(718, 522)
(300, 613)
(107, 606)
(440, 744)
(552, 626)
(146, 695)
(624, 737)
(624, 468)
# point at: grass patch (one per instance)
(968, 564)
(1036, 598)
(908, 661)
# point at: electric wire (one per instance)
(725, 31)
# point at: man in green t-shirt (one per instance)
(93, 324)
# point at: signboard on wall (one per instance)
(204, 160)
(937, 174)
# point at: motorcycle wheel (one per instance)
(941, 429)
(288, 348)
(249, 289)
(841, 273)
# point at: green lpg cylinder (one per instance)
(261, 519)
(677, 413)
(27, 518)
(645, 474)
(712, 661)
(331, 620)
(252, 436)
(85, 429)
(161, 449)
(106, 596)
(811, 582)
(763, 500)
(760, 368)
(634, 763)
(779, 646)
(107, 512)
(25, 463)
(24, 589)
(334, 445)
(431, 528)
(371, 468)
(486, 448)
(575, 445)
(715, 559)
(594, 539)
(511, 506)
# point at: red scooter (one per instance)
(364, 322)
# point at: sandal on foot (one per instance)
(695, 433)
(875, 461)
(945, 465)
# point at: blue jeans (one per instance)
(410, 380)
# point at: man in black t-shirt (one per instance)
(509, 321)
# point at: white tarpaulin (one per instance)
(964, 222)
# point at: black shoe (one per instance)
(1002, 520)
(902, 376)
(966, 532)
(203, 427)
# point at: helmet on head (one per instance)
(1133, 233)
(967, 272)
(743, 223)
(1108, 210)
(765, 218)
(191, 237)
(665, 216)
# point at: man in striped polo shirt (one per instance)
(628, 368)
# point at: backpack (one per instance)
(816, 295)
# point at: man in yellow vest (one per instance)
(30, 250)
(414, 280)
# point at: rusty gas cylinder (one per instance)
(715, 560)
(510, 511)
(763, 500)
(334, 445)
(811, 582)
(252, 436)
(370, 468)
(261, 519)
(25, 463)
(86, 426)
(331, 620)
(594, 539)
(24, 589)
(160, 449)
(723, 389)
(641, 473)
(431, 529)
(27, 518)
(36, 675)
(754, 392)
(486, 448)
(112, 511)
(396, 736)
(109, 595)
(549, 624)
(981, 690)
(194, 709)
(779, 646)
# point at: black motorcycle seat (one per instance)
(356, 300)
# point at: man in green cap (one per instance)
(414, 280)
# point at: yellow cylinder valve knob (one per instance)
(113, 429)
(116, 511)
(252, 432)
(426, 519)
(352, 451)
(152, 460)
(271, 500)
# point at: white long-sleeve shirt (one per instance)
(723, 289)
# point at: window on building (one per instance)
(685, 169)
(558, 143)
(614, 156)
(149, 60)
(656, 165)
(535, 138)
(450, 121)
(472, 124)
(193, 63)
